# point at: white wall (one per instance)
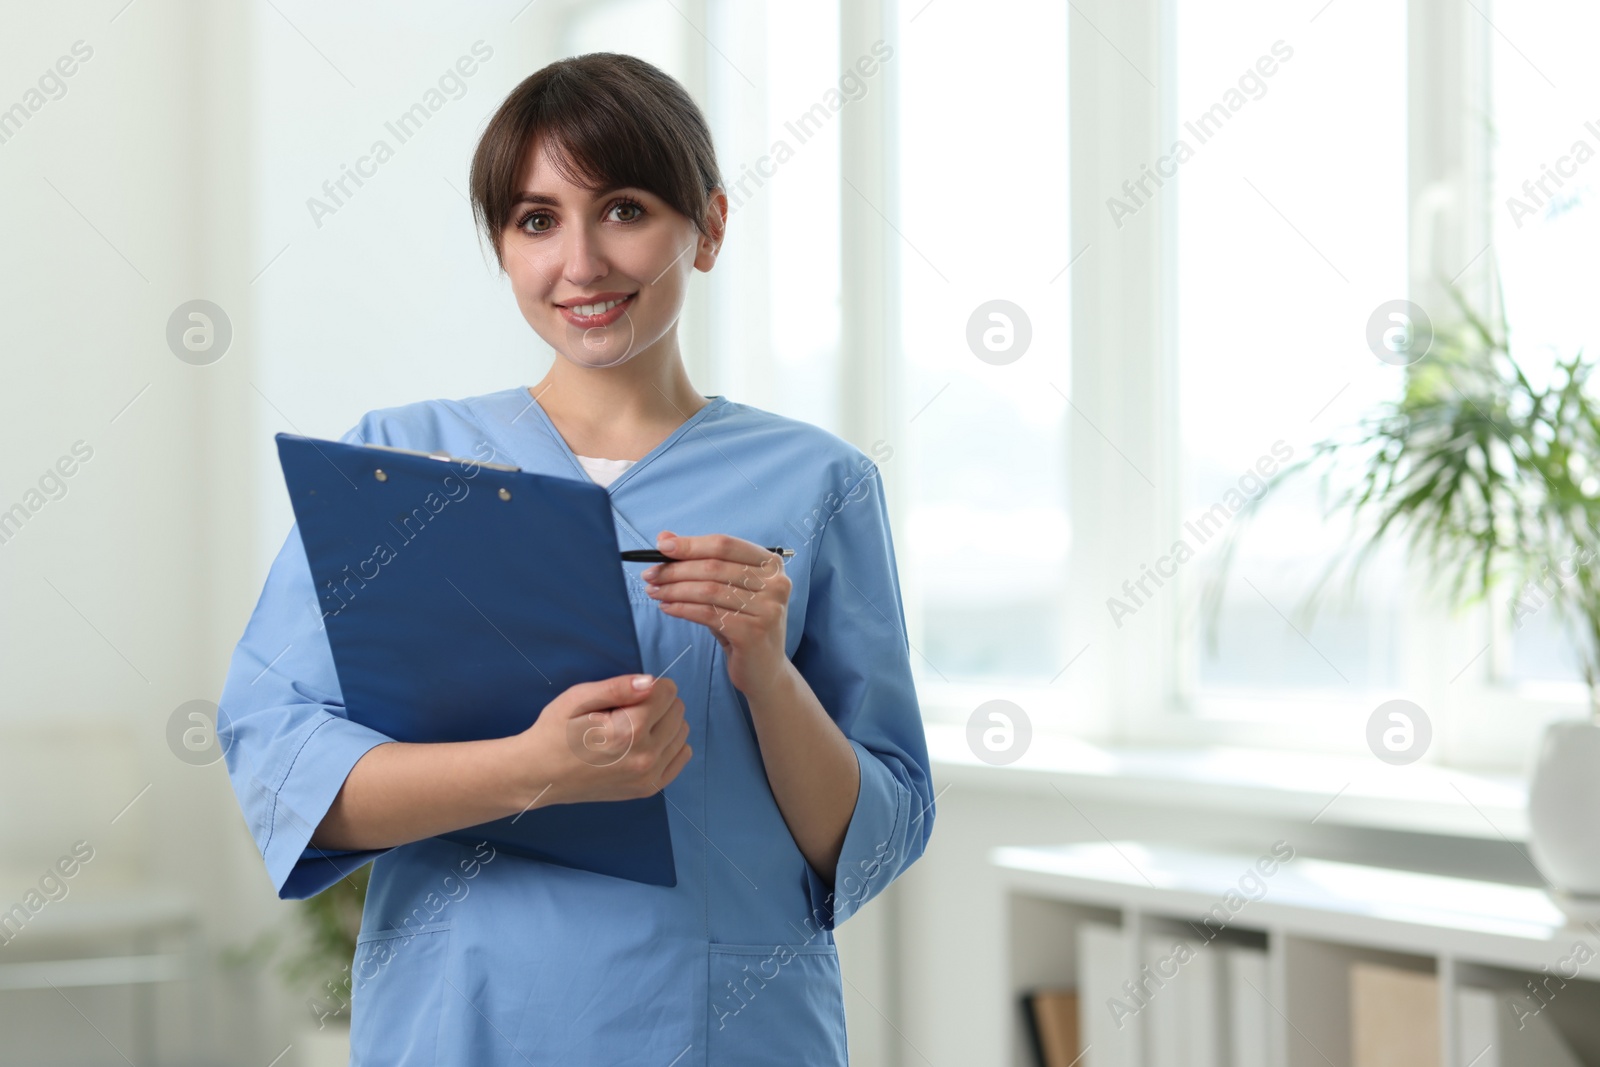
(115, 215)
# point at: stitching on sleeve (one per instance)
(895, 832)
(272, 823)
(870, 472)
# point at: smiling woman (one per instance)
(598, 186)
(626, 153)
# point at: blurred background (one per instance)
(1077, 272)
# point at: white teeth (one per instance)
(595, 309)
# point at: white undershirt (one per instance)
(604, 471)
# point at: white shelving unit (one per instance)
(158, 941)
(1316, 917)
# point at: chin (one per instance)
(596, 363)
(598, 347)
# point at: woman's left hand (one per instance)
(737, 590)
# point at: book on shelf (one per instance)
(1053, 1024)
(1502, 1026)
(1394, 1017)
(1194, 1003)
(1185, 1011)
(1249, 1015)
(1394, 1021)
(1103, 966)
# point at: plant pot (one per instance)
(1564, 816)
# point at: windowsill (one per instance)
(1334, 790)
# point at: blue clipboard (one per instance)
(461, 597)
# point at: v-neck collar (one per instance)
(524, 394)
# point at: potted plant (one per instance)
(314, 963)
(1489, 481)
(330, 923)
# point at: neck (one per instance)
(616, 407)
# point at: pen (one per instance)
(650, 555)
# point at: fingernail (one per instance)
(667, 544)
(643, 681)
(650, 572)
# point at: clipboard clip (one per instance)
(445, 457)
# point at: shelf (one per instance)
(1315, 918)
(1488, 922)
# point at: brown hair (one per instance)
(610, 120)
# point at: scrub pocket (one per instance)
(776, 1005)
(397, 982)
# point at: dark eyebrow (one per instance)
(549, 201)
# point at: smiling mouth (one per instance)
(591, 316)
(592, 309)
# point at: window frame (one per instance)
(1127, 303)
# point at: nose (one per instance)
(584, 257)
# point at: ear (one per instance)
(717, 228)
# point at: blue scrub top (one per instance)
(470, 956)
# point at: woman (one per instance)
(806, 790)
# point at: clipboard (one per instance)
(459, 598)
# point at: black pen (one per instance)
(650, 555)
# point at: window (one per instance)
(1257, 180)
(1546, 226)
(1290, 228)
(983, 245)
(776, 284)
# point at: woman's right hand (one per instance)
(605, 740)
